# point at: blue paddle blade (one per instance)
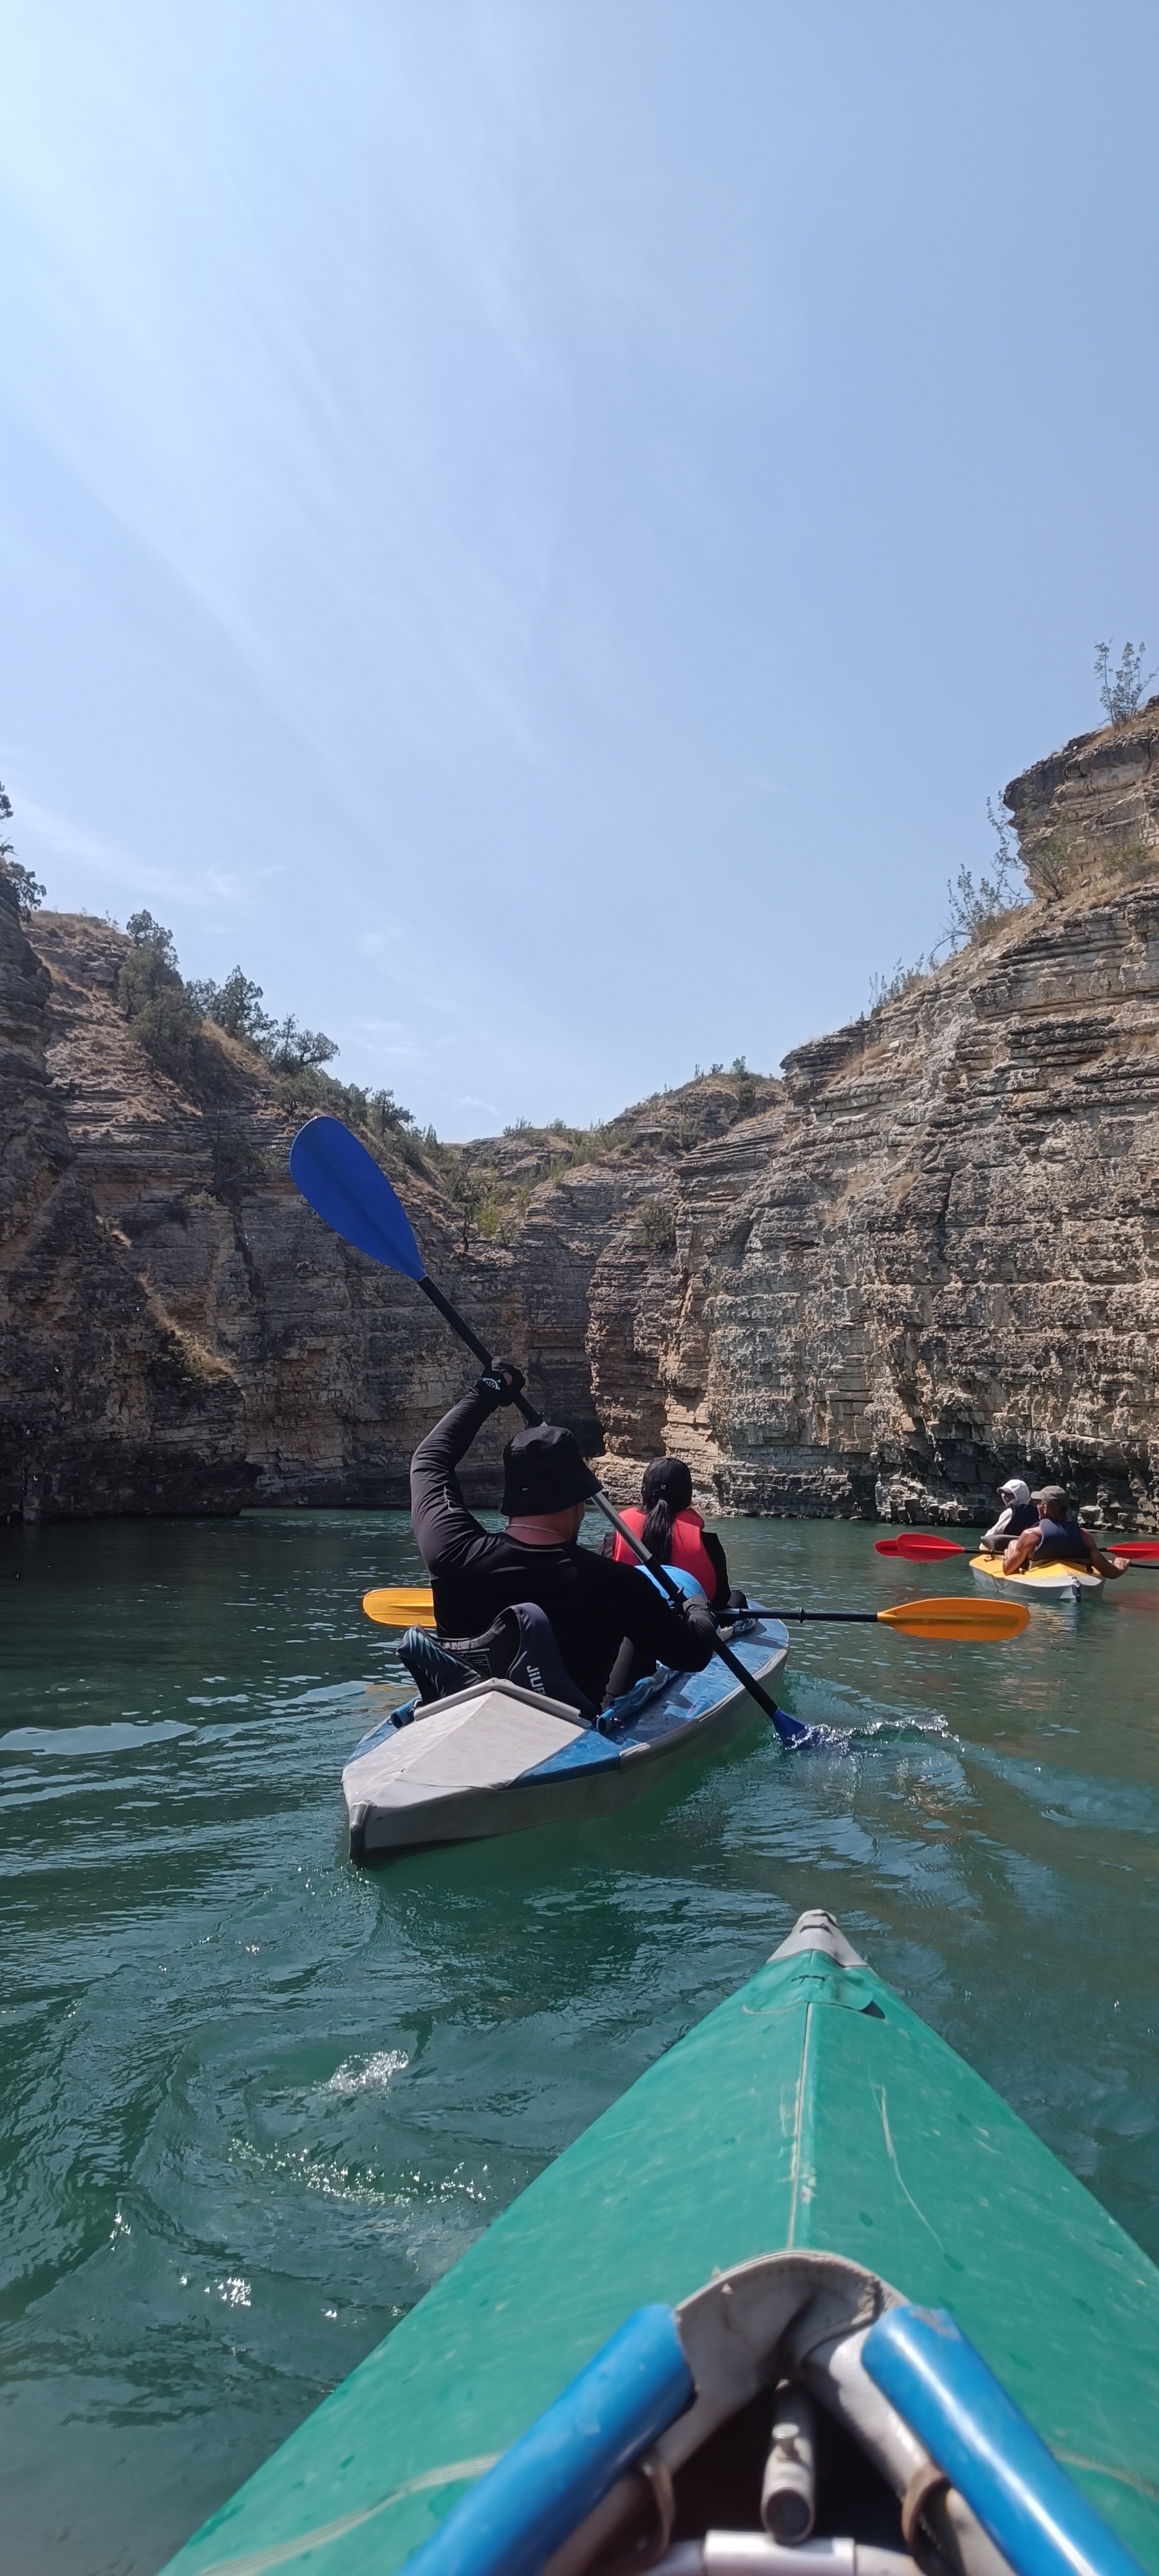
(345, 1186)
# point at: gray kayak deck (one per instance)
(496, 1759)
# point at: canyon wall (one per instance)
(925, 1258)
(933, 1261)
(179, 1332)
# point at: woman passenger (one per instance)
(671, 1530)
(1018, 1513)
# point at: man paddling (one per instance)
(592, 1604)
(1058, 1540)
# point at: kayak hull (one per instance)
(1050, 1583)
(812, 2112)
(498, 1760)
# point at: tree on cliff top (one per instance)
(236, 1007)
(167, 1015)
(29, 892)
(154, 1000)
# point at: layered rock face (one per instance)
(179, 1332)
(924, 1260)
(933, 1262)
(931, 1259)
(101, 1399)
(1091, 811)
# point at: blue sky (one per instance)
(537, 528)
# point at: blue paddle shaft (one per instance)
(1032, 2511)
(555, 2474)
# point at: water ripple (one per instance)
(253, 2102)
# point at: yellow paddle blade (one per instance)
(411, 1606)
(982, 1622)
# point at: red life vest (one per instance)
(687, 1550)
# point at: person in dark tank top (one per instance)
(1060, 1540)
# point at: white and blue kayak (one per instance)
(497, 1759)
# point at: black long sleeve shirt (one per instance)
(591, 1603)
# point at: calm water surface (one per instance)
(254, 2103)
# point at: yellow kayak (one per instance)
(1036, 1582)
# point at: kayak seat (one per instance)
(519, 1646)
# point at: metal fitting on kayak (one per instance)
(789, 2487)
(752, 2553)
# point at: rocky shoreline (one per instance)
(926, 1256)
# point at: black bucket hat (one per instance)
(544, 1470)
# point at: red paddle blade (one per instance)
(1145, 1551)
(919, 1546)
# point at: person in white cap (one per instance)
(1018, 1514)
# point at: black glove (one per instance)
(702, 1623)
(503, 1386)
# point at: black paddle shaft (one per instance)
(732, 1662)
(451, 1316)
(851, 1618)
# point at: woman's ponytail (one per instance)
(658, 1531)
(666, 1490)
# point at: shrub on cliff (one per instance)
(153, 998)
(28, 891)
(289, 1048)
(1121, 691)
(1070, 861)
(655, 1227)
(889, 988)
(236, 1007)
(975, 912)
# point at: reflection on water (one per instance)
(253, 2102)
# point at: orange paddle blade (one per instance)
(411, 1606)
(964, 1621)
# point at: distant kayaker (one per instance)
(1018, 1513)
(1059, 1540)
(671, 1530)
(592, 1604)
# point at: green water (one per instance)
(253, 2103)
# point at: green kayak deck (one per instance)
(811, 2110)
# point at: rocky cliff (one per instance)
(933, 1261)
(926, 1257)
(179, 1333)
(1089, 815)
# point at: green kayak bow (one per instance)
(808, 2229)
